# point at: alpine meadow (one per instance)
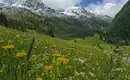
(38, 42)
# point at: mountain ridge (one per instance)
(43, 10)
(35, 6)
(62, 25)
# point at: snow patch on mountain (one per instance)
(77, 12)
(36, 6)
(80, 12)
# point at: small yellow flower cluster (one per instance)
(48, 68)
(60, 58)
(63, 60)
(39, 78)
(8, 47)
(20, 54)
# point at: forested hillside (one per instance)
(119, 30)
(60, 27)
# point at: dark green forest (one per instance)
(119, 30)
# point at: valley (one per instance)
(39, 43)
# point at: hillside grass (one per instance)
(83, 47)
(90, 59)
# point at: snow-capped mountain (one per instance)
(80, 12)
(7, 8)
(74, 22)
(77, 12)
(36, 6)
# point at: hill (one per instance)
(119, 30)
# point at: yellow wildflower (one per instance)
(1, 41)
(48, 68)
(8, 47)
(39, 78)
(20, 54)
(63, 60)
(56, 54)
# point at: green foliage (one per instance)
(3, 20)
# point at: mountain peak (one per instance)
(77, 12)
(82, 13)
(36, 6)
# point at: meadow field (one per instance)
(32, 56)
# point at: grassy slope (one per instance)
(99, 60)
(83, 47)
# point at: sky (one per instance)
(107, 7)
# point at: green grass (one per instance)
(83, 47)
(90, 59)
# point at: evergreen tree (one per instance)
(3, 20)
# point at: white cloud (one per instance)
(9, 1)
(60, 4)
(108, 7)
(1, 0)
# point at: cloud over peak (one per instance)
(60, 4)
(108, 7)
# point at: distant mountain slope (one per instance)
(87, 18)
(34, 15)
(81, 14)
(35, 6)
(77, 12)
(119, 30)
(22, 19)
